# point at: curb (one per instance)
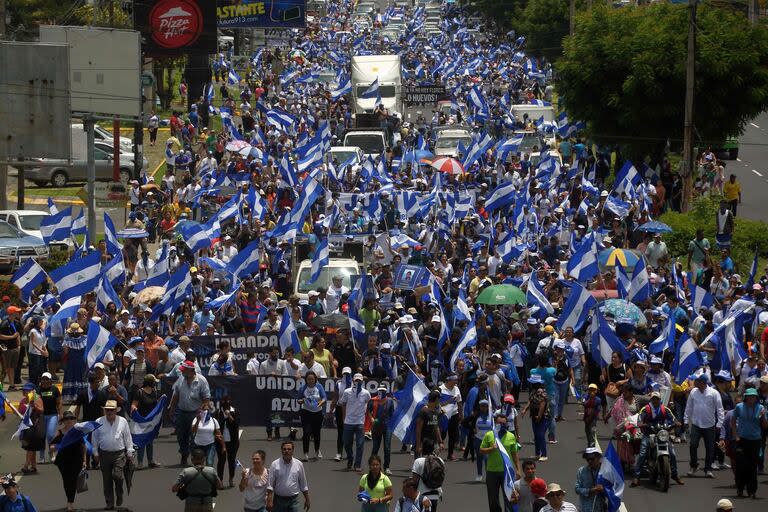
(44, 202)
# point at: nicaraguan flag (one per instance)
(78, 277)
(627, 178)
(666, 339)
(605, 341)
(227, 298)
(503, 195)
(58, 227)
(144, 429)
(246, 261)
(115, 271)
(640, 285)
(110, 236)
(688, 359)
(701, 298)
(583, 264)
(537, 297)
(409, 398)
(77, 433)
(611, 477)
(577, 308)
(179, 288)
(511, 145)
(105, 294)
(158, 275)
(25, 423)
(462, 312)
(59, 321)
(28, 277)
(233, 78)
(509, 469)
(320, 259)
(79, 226)
(99, 342)
(52, 209)
(468, 339)
(752, 272)
(194, 235)
(372, 91)
(287, 173)
(287, 334)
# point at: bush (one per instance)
(747, 234)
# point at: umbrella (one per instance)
(448, 165)
(655, 226)
(174, 140)
(245, 150)
(417, 156)
(625, 257)
(623, 311)
(236, 145)
(149, 295)
(128, 470)
(332, 320)
(501, 294)
(132, 233)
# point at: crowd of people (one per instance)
(505, 220)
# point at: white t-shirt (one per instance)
(204, 435)
(316, 367)
(418, 468)
(356, 405)
(252, 368)
(36, 339)
(451, 409)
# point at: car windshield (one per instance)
(369, 143)
(452, 142)
(343, 156)
(8, 231)
(31, 222)
(325, 278)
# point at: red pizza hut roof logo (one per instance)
(176, 23)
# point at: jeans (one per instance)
(709, 446)
(338, 415)
(285, 504)
(37, 365)
(480, 460)
(494, 482)
(312, 424)
(539, 436)
(210, 451)
(590, 432)
(552, 427)
(150, 450)
(379, 435)
(183, 423)
(354, 432)
(578, 373)
(51, 423)
(561, 397)
(644, 453)
(453, 433)
(747, 451)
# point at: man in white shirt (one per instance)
(274, 366)
(252, 368)
(286, 480)
(229, 250)
(310, 364)
(335, 291)
(703, 413)
(354, 401)
(179, 353)
(112, 442)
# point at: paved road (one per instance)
(333, 489)
(751, 169)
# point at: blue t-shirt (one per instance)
(548, 376)
(748, 421)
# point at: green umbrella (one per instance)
(501, 294)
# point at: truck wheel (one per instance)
(59, 179)
(733, 154)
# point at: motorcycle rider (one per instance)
(652, 415)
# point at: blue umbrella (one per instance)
(655, 226)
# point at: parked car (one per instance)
(16, 247)
(61, 172)
(28, 222)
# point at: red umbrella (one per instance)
(448, 165)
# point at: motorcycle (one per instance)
(659, 469)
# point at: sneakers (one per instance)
(725, 465)
(678, 481)
(387, 471)
(479, 478)
(319, 454)
(692, 471)
(368, 436)
(543, 458)
(306, 457)
(337, 458)
(709, 474)
(715, 466)
(552, 441)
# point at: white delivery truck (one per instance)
(386, 68)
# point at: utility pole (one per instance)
(688, 163)
(572, 16)
(88, 123)
(3, 166)
(754, 11)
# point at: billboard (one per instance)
(98, 84)
(261, 13)
(423, 94)
(176, 27)
(34, 97)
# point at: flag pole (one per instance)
(14, 409)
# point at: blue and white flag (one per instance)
(577, 308)
(79, 224)
(25, 423)
(511, 145)
(623, 282)
(179, 288)
(59, 321)
(640, 285)
(611, 477)
(687, 360)
(462, 312)
(194, 235)
(537, 297)
(372, 91)
(287, 173)
(501, 196)
(509, 469)
(468, 339)
(28, 277)
(752, 272)
(115, 271)
(246, 261)
(144, 429)
(105, 294)
(445, 330)
(287, 335)
(583, 264)
(666, 338)
(227, 298)
(281, 118)
(159, 274)
(233, 78)
(110, 236)
(78, 277)
(56, 228)
(627, 178)
(77, 433)
(52, 209)
(605, 341)
(409, 398)
(701, 298)
(344, 87)
(100, 340)
(320, 259)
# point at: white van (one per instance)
(336, 266)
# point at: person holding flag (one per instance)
(498, 473)
(591, 493)
(71, 458)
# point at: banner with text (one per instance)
(261, 13)
(423, 94)
(240, 344)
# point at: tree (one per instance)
(544, 23)
(624, 73)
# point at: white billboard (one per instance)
(104, 68)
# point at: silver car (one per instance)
(16, 247)
(61, 172)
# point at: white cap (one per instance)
(604, 193)
(313, 293)
(346, 370)
(358, 376)
(550, 320)
(724, 504)
(100, 365)
(436, 318)
(46, 375)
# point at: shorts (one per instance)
(11, 357)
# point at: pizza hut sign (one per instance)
(176, 23)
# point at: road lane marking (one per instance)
(754, 171)
(753, 124)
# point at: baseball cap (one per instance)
(538, 487)
(187, 365)
(358, 376)
(46, 375)
(13, 309)
(509, 399)
(750, 392)
(346, 370)
(436, 318)
(592, 386)
(724, 504)
(655, 394)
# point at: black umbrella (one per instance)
(332, 320)
(128, 470)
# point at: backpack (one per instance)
(182, 493)
(401, 502)
(433, 473)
